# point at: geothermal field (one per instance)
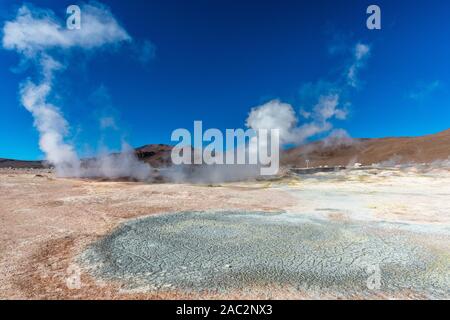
(224, 150)
(372, 232)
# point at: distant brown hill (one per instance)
(393, 150)
(328, 152)
(9, 163)
(157, 155)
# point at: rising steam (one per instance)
(39, 37)
(328, 103)
(43, 41)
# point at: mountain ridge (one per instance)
(328, 152)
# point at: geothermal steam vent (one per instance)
(220, 251)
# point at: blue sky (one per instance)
(215, 60)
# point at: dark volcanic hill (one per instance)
(399, 150)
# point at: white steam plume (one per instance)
(37, 30)
(361, 53)
(120, 165)
(278, 115)
(328, 105)
(38, 36)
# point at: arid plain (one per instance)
(323, 228)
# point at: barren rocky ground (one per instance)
(311, 236)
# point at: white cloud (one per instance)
(36, 34)
(327, 108)
(108, 123)
(49, 66)
(423, 90)
(145, 52)
(361, 52)
(310, 129)
(278, 115)
(35, 30)
(322, 102)
(274, 115)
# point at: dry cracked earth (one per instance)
(350, 235)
